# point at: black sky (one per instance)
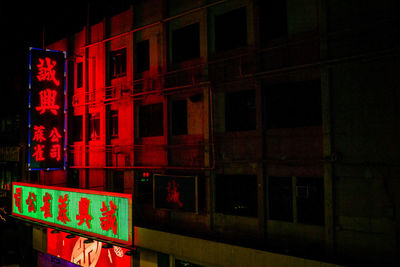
(22, 26)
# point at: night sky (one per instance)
(23, 25)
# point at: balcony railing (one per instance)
(182, 156)
(218, 70)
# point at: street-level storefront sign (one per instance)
(104, 215)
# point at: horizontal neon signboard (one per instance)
(100, 214)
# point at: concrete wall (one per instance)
(365, 128)
(209, 253)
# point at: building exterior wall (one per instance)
(345, 156)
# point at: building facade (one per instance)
(248, 132)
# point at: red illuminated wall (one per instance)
(92, 254)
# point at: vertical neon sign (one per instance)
(47, 113)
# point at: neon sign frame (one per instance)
(58, 57)
(24, 194)
(175, 192)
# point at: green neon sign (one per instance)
(100, 214)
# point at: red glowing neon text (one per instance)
(62, 209)
(38, 155)
(55, 152)
(109, 221)
(31, 202)
(38, 133)
(47, 71)
(17, 198)
(46, 205)
(173, 193)
(83, 215)
(48, 101)
(54, 135)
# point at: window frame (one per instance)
(231, 124)
(173, 122)
(221, 200)
(174, 58)
(114, 124)
(219, 48)
(79, 75)
(139, 45)
(295, 200)
(282, 112)
(77, 120)
(118, 67)
(141, 123)
(94, 123)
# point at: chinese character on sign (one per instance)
(109, 221)
(48, 101)
(38, 155)
(17, 198)
(38, 134)
(55, 152)
(173, 193)
(54, 135)
(47, 71)
(62, 209)
(83, 215)
(31, 202)
(46, 205)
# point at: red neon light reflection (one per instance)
(92, 254)
(173, 193)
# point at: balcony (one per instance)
(144, 155)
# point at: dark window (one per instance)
(114, 123)
(73, 178)
(76, 127)
(179, 117)
(94, 126)
(280, 198)
(182, 263)
(310, 200)
(118, 181)
(79, 75)
(237, 195)
(240, 111)
(151, 120)
(118, 63)
(162, 260)
(142, 56)
(292, 105)
(273, 20)
(186, 43)
(231, 30)
(144, 187)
